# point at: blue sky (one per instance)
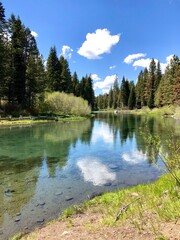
(103, 38)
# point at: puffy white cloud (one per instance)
(98, 43)
(95, 77)
(34, 34)
(112, 67)
(130, 58)
(143, 62)
(168, 60)
(67, 52)
(134, 157)
(96, 172)
(104, 134)
(106, 84)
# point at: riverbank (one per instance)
(166, 111)
(36, 120)
(148, 211)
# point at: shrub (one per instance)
(62, 103)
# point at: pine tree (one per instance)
(75, 85)
(2, 52)
(66, 81)
(110, 100)
(139, 90)
(115, 93)
(151, 82)
(124, 92)
(158, 76)
(17, 83)
(53, 71)
(132, 96)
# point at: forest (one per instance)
(153, 88)
(25, 78)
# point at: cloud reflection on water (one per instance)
(96, 172)
(104, 133)
(134, 157)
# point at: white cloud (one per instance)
(143, 62)
(134, 157)
(112, 67)
(95, 77)
(106, 84)
(168, 60)
(104, 134)
(67, 52)
(130, 58)
(34, 34)
(96, 172)
(98, 43)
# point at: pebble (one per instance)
(40, 220)
(17, 219)
(107, 184)
(59, 193)
(69, 198)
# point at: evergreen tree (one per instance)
(17, 83)
(75, 85)
(124, 92)
(2, 52)
(115, 93)
(132, 96)
(152, 77)
(139, 90)
(110, 100)
(53, 71)
(158, 76)
(66, 81)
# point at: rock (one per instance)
(17, 219)
(59, 193)
(94, 194)
(1, 232)
(42, 203)
(64, 233)
(18, 214)
(69, 198)
(40, 220)
(9, 191)
(107, 184)
(134, 194)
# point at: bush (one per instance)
(62, 103)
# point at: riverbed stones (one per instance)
(17, 219)
(68, 198)
(40, 220)
(58, 193)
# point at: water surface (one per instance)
(46, 168)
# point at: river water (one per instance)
(46, 168)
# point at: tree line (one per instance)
(24, 78)
(153, 89)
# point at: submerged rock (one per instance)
(69, 198)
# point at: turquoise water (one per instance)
(46, 168)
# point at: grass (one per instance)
(144, 206)
(158, 201)
(31, 121)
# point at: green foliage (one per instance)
(65, 103)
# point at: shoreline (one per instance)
(134, 212)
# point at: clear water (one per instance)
(46, 168)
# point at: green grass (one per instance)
(145, 206)
(160, 199)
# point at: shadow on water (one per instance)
(46, 168)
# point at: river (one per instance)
(46, 168)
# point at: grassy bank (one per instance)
(171, 111)
(143, 209)
(37, 121)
